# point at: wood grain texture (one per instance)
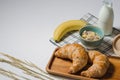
(58, 66)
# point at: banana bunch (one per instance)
(66, 27)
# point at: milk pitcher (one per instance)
(106, 17)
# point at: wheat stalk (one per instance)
(21, 65)
(9, 73)
(30, 64)
(25, 69)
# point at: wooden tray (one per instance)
(58, 66)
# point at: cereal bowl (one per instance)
(92, 32)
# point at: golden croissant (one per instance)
(76, 53)
(100, 64)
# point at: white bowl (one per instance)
(116, 45)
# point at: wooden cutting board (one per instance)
(58, 66)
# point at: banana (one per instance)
(66, 27)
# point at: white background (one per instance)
(27, 25)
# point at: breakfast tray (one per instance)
(73, 37)
(60, 67)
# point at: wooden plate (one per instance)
(58, 66)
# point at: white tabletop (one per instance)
(27, 25)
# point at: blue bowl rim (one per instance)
(94, 27)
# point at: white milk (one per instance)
(106, 16)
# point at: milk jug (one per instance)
(106, 17)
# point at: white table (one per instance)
(27, 25)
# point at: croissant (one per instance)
(74, 52)
(99, 66)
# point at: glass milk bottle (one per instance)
(106, 17)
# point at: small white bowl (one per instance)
(116, 45)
